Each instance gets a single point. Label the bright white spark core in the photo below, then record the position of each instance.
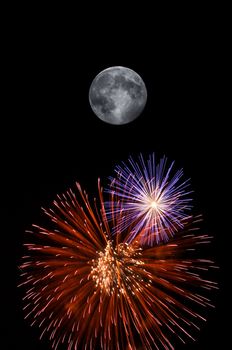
(154, 205)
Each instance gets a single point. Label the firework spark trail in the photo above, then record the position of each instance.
(150, 197)
(92, 290)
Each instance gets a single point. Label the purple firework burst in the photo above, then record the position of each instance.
(151, 198)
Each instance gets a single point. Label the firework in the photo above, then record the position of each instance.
(90, 289)
(151, 197)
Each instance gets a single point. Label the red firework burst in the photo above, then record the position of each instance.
(91, 289)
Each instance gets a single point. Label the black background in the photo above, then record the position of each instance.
(57, 139)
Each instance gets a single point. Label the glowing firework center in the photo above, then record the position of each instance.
(112, 271)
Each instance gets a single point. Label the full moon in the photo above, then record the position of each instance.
(117, 95)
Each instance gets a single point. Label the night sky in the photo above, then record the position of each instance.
(58, 139)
